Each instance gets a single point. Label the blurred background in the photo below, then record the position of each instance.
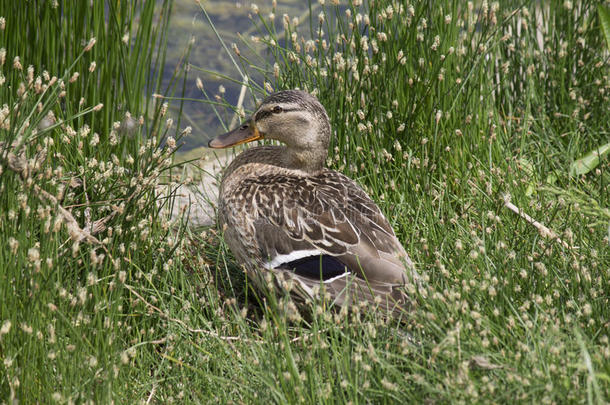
(232, 22)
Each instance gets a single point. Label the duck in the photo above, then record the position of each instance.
(288, 217)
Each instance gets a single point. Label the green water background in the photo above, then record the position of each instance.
(233, 21)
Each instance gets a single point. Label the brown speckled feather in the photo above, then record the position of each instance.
(281, 209)
(271, 211)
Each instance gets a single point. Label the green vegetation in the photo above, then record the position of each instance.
(80, 217)
(481, 129)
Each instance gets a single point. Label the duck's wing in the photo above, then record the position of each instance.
(322, 227)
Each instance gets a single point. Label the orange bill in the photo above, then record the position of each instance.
(247, 132)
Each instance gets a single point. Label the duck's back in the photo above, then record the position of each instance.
(318, 225)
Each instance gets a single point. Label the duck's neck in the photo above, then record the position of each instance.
(309, 152)
(307, 160)
(264, 160)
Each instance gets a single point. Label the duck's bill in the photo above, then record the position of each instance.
(245, 133)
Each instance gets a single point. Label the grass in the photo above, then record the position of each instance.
(444, 115)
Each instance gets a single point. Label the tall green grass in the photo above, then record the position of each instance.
(449, 116)
(128, 309)
(83, 152)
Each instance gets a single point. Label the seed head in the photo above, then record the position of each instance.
(6, 328)
(90, 44)
(235, 49)
(33, 255)
(17, 63)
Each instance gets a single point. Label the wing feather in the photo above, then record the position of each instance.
(327, 212)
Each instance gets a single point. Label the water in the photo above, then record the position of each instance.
(230, 20)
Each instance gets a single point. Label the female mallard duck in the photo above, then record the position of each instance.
(283, 211)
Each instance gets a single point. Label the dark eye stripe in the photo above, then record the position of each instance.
(265, 113)
(262, 114)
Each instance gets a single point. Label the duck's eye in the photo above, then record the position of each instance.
(243, 127)
(277, 109)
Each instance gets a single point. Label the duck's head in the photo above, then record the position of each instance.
(292, 117)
